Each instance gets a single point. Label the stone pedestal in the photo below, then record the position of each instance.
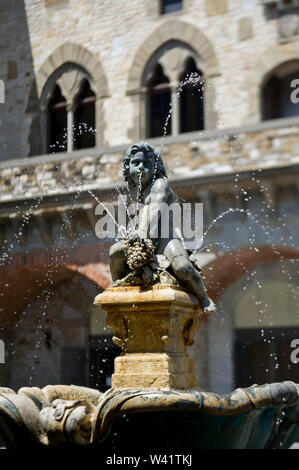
(153, 327)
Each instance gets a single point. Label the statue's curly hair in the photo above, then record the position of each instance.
(150, 152)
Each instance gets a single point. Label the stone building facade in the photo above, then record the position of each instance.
(242, 163)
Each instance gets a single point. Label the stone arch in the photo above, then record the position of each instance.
(47, 297)
(172, 56)
(69, 77)
(264, 66)
(225, 278)
(65, 58)
(226, 269)
(21, 280)
(77, 54)
(172, 30)
(168, 31)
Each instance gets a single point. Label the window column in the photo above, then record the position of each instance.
(70, 127)
(175, 114)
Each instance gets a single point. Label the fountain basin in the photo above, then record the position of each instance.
(154, 402)
(258, 417)
(184, 432)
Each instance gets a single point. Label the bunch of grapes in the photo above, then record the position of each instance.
(139, 252)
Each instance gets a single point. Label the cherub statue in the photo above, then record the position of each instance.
(145, 173)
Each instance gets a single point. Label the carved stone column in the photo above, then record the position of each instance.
(70, 127)
(153, 327)
(70, 82)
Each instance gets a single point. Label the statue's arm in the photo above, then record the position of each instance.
(153, 211)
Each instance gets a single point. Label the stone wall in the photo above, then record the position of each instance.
(17, 72)
(239, 33)
(186, 157)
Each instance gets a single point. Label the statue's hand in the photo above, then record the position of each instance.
(208, 305)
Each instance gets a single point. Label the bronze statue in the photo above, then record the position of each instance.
(145, 174)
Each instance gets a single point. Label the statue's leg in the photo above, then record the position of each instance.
(185, 272)
(118, 263)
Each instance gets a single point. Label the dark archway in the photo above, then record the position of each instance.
(85, 117)
(191, 98)
(57, 122)
(158, 103)
(250, 334)
(230, 267)
(53, 332)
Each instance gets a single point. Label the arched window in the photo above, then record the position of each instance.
(68, 105)
(84, 117)
(276, 92)
(173, 81)
(191, 98)
(74, 344)
(159, 102)
(57, 122)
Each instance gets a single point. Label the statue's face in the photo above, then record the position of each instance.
(141, 168)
